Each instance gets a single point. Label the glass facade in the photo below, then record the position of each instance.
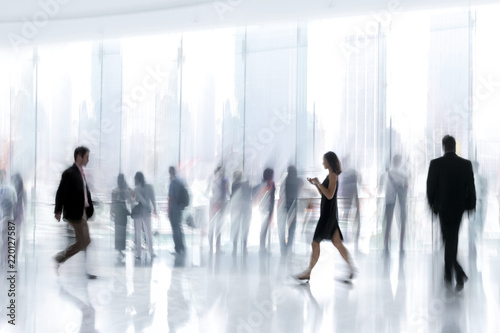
(259, 96)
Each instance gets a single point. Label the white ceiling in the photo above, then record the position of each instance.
(89, 19)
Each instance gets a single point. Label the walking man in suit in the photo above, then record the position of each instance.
(450, 192)
(74, 202)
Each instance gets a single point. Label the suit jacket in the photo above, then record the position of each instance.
(450, 185)
(70, 197)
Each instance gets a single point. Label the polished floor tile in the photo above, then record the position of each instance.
(254, 293)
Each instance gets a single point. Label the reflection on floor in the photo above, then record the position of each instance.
(222, 293)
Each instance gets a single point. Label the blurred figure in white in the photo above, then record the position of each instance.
(476, 219)
(219, 188)
(141, 213)
(18, 184)
(396, 188)
(348, 197)
(265, 199)
(241, 211)
(121, 198)
(8, 200)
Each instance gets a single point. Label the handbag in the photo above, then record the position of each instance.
(137, 211)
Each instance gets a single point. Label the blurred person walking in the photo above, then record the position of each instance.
(74, 203)
(328, 225)
(219, 187)
(8, 202)
(121, 197)
(178, 200)
(265, 198)
(348, 195)
(396, 188)
(476, 220)
(144, 195)
(286, 226)
(241, 211)
(451, 192)
(18, 184)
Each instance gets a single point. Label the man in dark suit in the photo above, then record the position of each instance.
(450, 192)
(74, 202)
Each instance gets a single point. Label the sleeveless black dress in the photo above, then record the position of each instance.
(329, 217)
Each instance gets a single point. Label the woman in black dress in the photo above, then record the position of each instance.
(328, 224)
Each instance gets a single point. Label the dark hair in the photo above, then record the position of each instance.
(268, 174)
(17, 181)
(333, 162)
(122, 183)
(139, 178)
(396, 160)
(292, 171)
(82, 150)
(171, 171)
(449, 143)
(237, 176)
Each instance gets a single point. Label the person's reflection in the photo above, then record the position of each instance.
(314, 317)
(477, 298)
(178, 311)
(143, 308)
(88, 311)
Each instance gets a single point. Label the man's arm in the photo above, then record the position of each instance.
(431, 183)
(471, 188)
(60, 194)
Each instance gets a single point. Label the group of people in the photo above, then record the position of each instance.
(143, 204)
(239, 202)
(450, 192)
(74, 204)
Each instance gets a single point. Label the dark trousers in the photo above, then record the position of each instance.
(389, 214)
(82, 239)
(450, 227)
(177, 234)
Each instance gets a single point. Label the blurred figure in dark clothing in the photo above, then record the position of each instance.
(175, 207)
(450, 192)
(287, 226)
(241, 211)
(476, 220)
(348, 196)
(18, 184)
(121, 197)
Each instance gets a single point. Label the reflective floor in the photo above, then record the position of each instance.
(224, 293)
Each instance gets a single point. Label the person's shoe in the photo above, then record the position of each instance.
(461, 282)
(91, 276)
(302, 278)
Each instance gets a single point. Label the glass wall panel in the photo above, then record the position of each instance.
(270, 97)
(150, 125)
(63, 100)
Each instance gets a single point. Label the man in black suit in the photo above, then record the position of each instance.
(450, 192)
(74, 201)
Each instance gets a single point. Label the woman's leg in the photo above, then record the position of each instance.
(337, 242)
(314, 260)
(138, 230)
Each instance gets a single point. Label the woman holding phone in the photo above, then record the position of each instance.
(328, 224)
